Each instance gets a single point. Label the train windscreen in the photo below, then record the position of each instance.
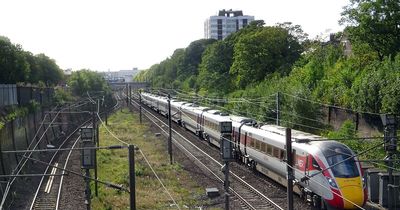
(338, 156)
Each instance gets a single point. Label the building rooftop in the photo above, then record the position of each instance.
(230, 13)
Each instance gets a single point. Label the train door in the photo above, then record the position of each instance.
(307, 169)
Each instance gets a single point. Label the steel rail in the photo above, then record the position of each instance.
(51, 160)
(10, 182)
(243, 182)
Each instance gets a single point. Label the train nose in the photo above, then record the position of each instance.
(352, 192)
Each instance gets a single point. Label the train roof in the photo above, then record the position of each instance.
(214, 111)
(178, 103)
(296, 134)
(216, 117)
(240, 119)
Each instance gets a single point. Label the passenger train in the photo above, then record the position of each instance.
(326, 173)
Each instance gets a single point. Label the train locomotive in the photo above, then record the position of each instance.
(327, 173)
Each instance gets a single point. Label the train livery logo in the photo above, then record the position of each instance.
(301, 163)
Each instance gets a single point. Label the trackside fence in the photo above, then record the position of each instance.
(12, 94)
(8, 94)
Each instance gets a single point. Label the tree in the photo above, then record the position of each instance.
(85, 80)
(263, 52)
(192, 58)
(51, 73)
(376, 23)
(17, 65)
(214, 68)
(295, 30)
(13, 65)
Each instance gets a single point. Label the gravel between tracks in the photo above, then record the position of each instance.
(73, 190)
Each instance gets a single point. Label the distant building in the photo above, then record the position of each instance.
(226, 22)
(121, 75)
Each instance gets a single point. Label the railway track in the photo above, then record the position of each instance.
(244, 195)
(48, 192)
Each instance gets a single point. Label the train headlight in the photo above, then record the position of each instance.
(332, 182)
(364, 181)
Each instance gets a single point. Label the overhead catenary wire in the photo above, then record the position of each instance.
(286, 121)
(263, 116)
(155, 174)
(273, 110)
(11, 181)
(158, 178)
(204, 153)
(293, 96)
(328, 105)
(315, 102)
(23, 162)
(109, 131)
(362, 138)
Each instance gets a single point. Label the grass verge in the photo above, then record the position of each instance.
(113, 167)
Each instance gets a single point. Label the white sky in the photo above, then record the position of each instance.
(122, 34)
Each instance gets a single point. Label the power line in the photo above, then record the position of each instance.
(109, 131)
(328, 105)
(158, 178)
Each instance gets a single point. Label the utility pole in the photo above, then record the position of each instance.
(290, 175)
(226, 184)
(106, 111)
(227, 156)
(390, 142)
(95, 126)
(88, 158)
(277, 108)
(170, 129)
(132, 184)
(87, 191)
(140, 106)
(130, 93)
(127, 95)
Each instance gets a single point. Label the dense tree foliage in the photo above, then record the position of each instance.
(259, 61)
(17, 65)
(84, 80)
(214, 69)
(262, 52)
(13, 64)
(375, 23)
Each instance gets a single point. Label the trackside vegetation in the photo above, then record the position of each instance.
(113, 167)
(20, 66)
(356, 69)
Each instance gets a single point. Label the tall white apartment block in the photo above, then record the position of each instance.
(226, 22)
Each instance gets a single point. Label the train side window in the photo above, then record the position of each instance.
(276, 152)
(269, 149)
(258, 146)
(251, 142)
(263, 148)
(315, 164)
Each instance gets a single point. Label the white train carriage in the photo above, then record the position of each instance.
(214, 126)
(147, 99)
(161, 105)
(191, 117)
(176, 111)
